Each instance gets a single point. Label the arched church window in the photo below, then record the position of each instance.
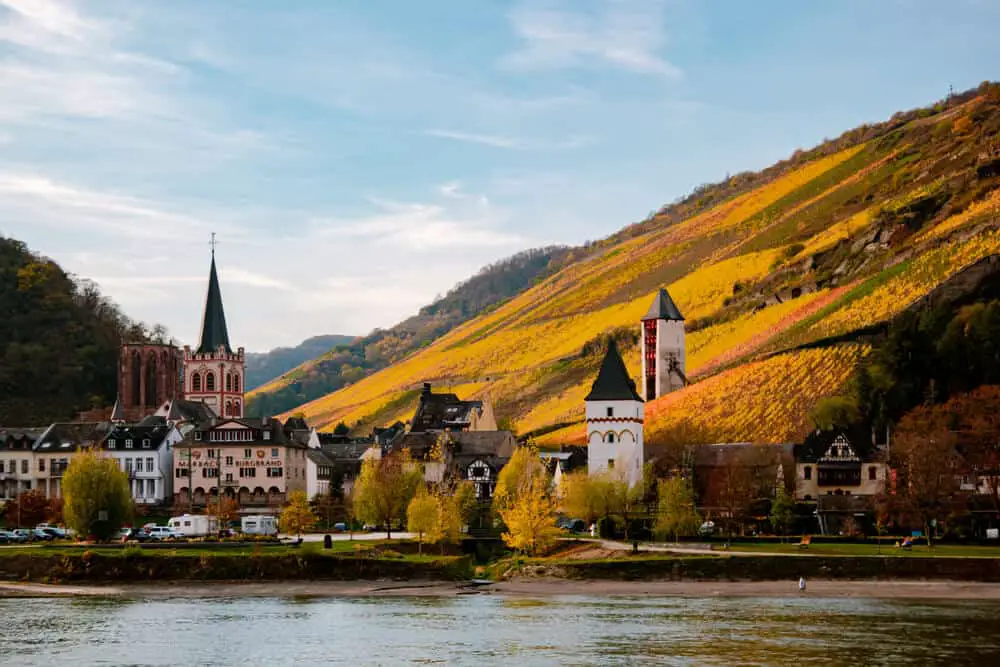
(196, 382)
(610, 437)
(236, 409)
(236, 381)
(229, 382)
(210, 381)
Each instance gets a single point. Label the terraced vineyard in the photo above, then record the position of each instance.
(775, 272)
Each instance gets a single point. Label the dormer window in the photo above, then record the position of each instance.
(145, 443)
(197, 435)
(267, 435)
(128, 444)
(111, 444)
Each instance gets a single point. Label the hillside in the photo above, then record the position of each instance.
(263, 367)
(783, 276)
(359, 358)
(59, 340)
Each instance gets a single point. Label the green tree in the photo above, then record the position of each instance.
(782, 512)
(384, 489)
(423, 517)
(296, 516)
(676, 514)
(96, 495)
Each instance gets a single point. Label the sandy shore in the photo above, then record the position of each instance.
(523, 587)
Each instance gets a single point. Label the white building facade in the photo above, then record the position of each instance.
(146, 455)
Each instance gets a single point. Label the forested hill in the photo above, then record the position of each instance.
(265, 366)
(785, 276)
(59, 340)
(350, 362)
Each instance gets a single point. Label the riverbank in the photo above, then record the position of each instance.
(520, 587)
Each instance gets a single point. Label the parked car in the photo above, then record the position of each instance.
(54, 530)
(51, 532)
(707, 529)
(340, 527)
(133, 535)
(24, 534)
(9, 537)
(162, 533)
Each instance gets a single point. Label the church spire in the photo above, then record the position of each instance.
(213, 328)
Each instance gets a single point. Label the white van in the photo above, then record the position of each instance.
(261, 524)
(194, 525)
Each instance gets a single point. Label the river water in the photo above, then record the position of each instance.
(487, 630)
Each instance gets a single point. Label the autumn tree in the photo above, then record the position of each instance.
(29, 508)
(384, 488)
(531, 520)
(675, 509)
(925, 452)
(227, 511)
(424, 516)
(296, 516)
(523, 501)
(96, 495)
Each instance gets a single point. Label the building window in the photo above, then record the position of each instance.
(128, 444)
(111, 444)
(149, 464)
(139, 488)
(610, 437)
(24, 466)
(248, 472)
(210, 381)
(274, 452)
(229, 476)
(196, 382)
(180, 472)
(611, 464)
(41, 465)
(209, 472)
(872, 473)
(807, 473)
(229, 460)
(611, 412)
(229, 384)
(275, 472)
(211, 453)
(128, 466)
(151, 488)
(197, 435)
(236, 384)
(267, 435)
(145, 443)
(247, 453)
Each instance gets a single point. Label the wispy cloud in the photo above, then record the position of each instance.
(509, 142)
(626, 34)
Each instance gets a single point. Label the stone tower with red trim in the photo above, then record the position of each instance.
(148, 377)
(213, 373)
(664, 357)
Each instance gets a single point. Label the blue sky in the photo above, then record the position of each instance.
(358, 157)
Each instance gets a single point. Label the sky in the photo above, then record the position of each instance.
(356, 158)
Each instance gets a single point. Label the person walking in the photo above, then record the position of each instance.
(802, 584)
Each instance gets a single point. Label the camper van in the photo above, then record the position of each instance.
(193, 525)
(261, 524)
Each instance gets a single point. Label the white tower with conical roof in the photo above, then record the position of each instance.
(614, 420)
(663, 350)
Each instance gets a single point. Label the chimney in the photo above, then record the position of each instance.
(427, 389)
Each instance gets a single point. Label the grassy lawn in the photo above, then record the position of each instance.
(340, 547)
(943, 551)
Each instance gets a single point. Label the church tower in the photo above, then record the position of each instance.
(663, 350)
(213, 373)
(614, 420)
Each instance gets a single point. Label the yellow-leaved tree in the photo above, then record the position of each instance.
(423, 517)
(296, 516)
(96, 495)
(384, 489)
(522, 499)
(675, 513)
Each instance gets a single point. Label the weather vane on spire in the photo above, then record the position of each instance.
(213, 243)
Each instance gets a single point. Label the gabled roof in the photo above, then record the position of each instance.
(613, 382)
(213, 327)
(663, 308)
(196, 412)
(155, 433)
(837, 446)
(70, 436)
(436, 412)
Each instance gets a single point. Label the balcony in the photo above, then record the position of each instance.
(57, 470)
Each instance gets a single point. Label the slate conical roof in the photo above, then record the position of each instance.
(213, 327)
(613, 382)
(663, 308)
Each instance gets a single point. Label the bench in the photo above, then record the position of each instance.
(806, 541)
